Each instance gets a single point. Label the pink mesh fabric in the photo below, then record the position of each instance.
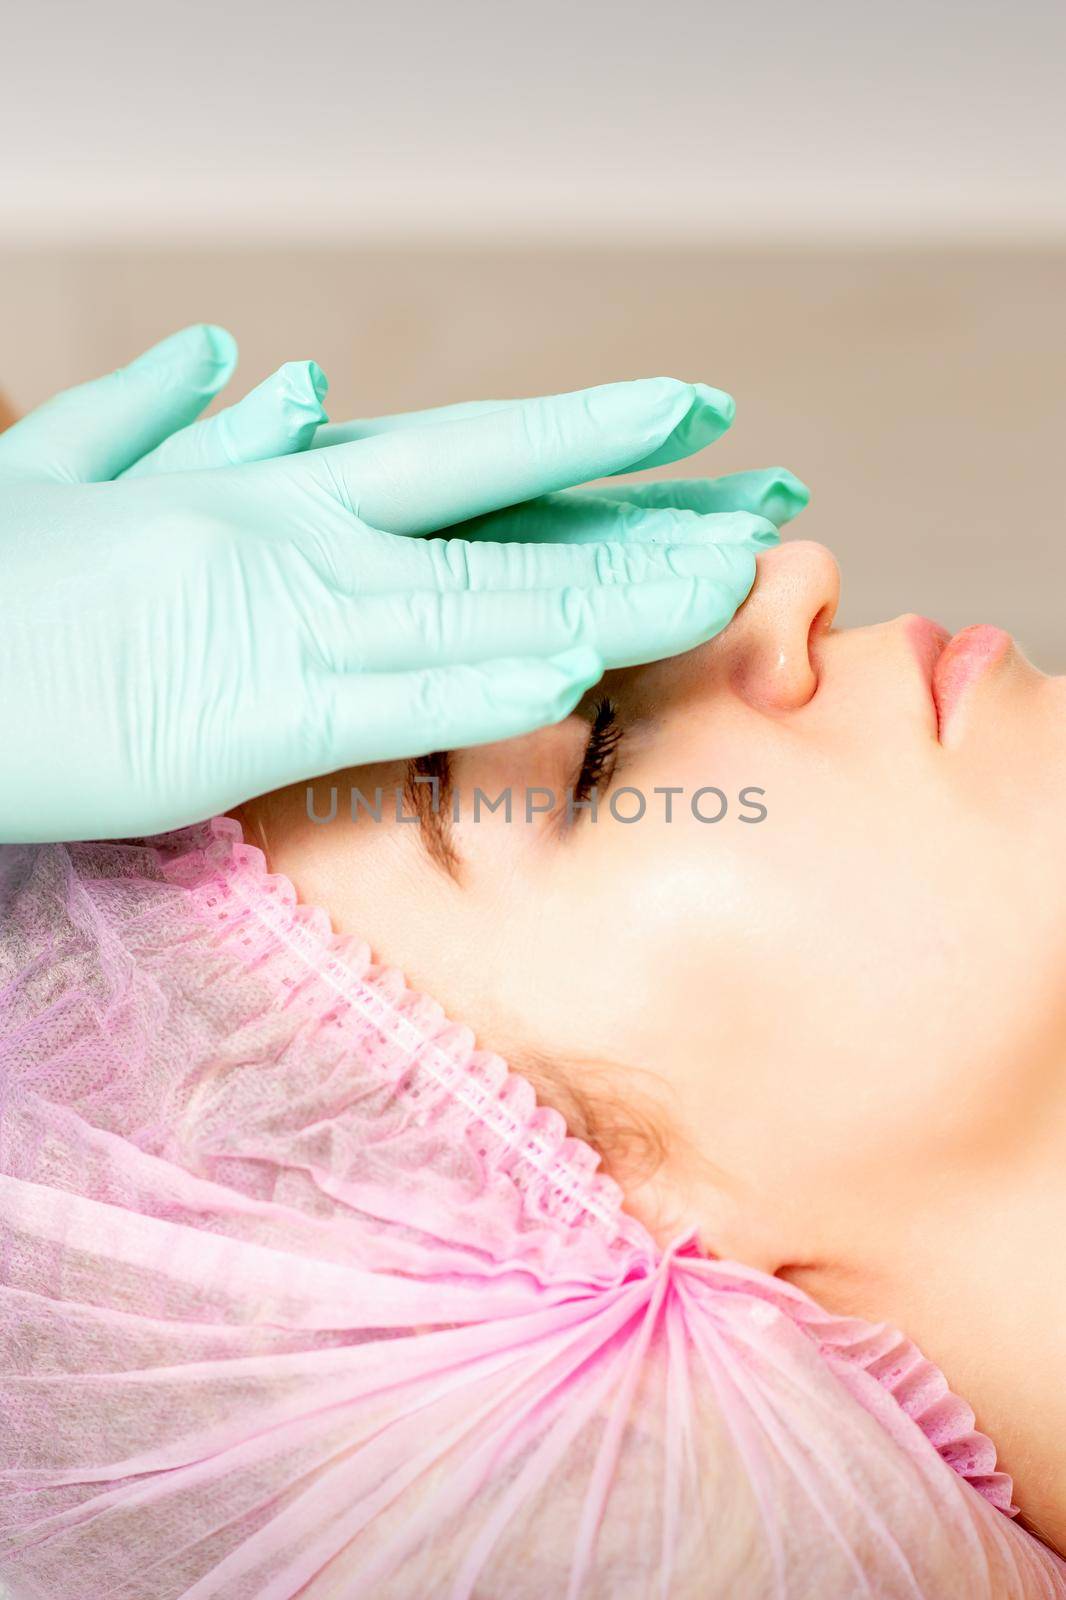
(302, 1295)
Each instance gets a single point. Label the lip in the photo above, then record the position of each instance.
(928, 640)
(962, 660)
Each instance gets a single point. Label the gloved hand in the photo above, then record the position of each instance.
(178, 640)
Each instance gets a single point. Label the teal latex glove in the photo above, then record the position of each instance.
(192, 634)
(141, 419)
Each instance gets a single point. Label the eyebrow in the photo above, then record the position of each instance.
(428, 779)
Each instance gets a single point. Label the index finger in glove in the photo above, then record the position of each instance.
(422, 479)
(278, 418)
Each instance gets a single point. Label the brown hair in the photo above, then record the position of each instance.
(597, 1101)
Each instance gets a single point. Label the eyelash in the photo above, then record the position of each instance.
(601, 752)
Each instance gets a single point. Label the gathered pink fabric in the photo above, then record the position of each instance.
(301, 1294)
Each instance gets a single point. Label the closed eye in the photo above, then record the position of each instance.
(601, 752)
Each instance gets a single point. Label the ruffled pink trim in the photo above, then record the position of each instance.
(921, 1390)
(917, 1385)
(257, 914)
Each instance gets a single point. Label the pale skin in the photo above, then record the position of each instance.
(850, 1016)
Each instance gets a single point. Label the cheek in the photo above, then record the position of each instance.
(832, 993)
(639, 918)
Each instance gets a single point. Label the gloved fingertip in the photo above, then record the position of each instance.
(580, 665)
(792, 485)
(695, 416)
(716, 403)
(303, 387)
(730, 562)
(740, 559)
(202, 349)
(220, 343)
(319, 381)
(716, 603)
(577, 670)
(695, 612)
(550, 687)
(710, 414)
(763, 534)
(785, 495)
(285, 410)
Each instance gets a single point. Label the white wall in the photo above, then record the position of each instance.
(675, 119)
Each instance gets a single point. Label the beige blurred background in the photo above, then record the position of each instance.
(855, 225)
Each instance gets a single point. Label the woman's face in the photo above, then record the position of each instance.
(856, 988)
(850, 1013)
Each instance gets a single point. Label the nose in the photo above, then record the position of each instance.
(767, 649)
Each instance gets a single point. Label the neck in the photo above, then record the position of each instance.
(969, 1271)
